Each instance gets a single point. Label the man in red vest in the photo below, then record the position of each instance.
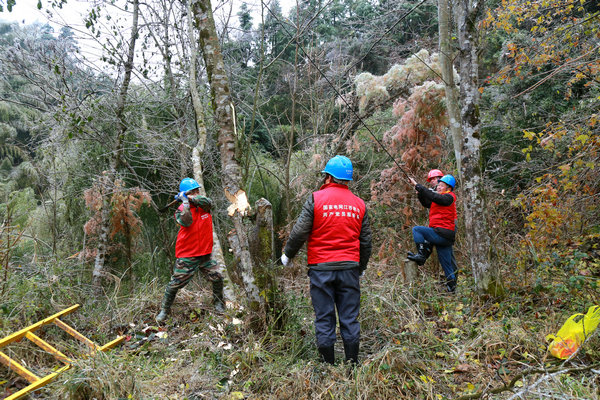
(433, 178)
(441, 230)
(336, 226)
(193, 248)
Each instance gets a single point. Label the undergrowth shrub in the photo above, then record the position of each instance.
(416, 342)
(104, 376)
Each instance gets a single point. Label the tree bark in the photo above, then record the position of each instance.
(109, 177)
(410, 272)
(262, 246)
(468, 13)
(198, 150)
(447, 67)
(231, 177)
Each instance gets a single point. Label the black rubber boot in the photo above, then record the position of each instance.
(423, 253)
(166, 304)
(451, 285)
(218, 299)
(351, 350)
(327, 354)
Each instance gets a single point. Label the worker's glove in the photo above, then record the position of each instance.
(181, 196)
(285, 260)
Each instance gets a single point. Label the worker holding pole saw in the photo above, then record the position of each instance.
(433, 178)
(193, 247)
(442, 227)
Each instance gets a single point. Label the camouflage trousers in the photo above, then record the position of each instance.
(186, 267)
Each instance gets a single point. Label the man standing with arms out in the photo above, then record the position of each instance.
(335, 223)
(193, 248)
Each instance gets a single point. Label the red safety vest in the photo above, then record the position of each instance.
(337, 222)
(443, 216)
(197, 239)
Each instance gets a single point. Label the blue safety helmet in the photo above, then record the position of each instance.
(188, 184)
(339, 167)
(449, 180)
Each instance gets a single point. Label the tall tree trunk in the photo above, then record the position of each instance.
(447, 67)
(230, 170)
(198, 151)
(478, 240)
(109, 177)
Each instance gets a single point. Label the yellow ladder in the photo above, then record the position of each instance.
(36, 382)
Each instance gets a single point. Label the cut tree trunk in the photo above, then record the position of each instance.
(410, 272)
(198, 151)
(262, 250)
(231, 176)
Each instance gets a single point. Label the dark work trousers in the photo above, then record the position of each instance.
(443, 247)
(331, 290)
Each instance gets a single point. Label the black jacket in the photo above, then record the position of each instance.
(303, 227)
(427, 196)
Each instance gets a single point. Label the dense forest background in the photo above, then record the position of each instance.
(95, 138)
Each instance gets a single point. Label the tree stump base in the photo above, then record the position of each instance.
(410, 272)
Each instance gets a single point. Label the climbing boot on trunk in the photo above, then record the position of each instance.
(166, 305)
(218, 299)
(423, 253)
(351, 351)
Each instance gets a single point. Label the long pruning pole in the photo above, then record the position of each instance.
(165, 208)
(337, 91)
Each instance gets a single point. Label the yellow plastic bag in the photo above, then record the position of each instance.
(573, 333)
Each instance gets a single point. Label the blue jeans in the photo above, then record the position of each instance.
(330, 290)
(422, 234)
